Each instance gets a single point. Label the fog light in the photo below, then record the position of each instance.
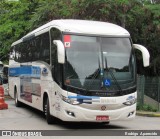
(131, 113)
(70, 113)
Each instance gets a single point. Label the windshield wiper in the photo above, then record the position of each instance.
(69, 77)
(113, 77)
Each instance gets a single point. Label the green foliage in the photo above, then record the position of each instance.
(14, 23)
(52, 9)
(146, 107)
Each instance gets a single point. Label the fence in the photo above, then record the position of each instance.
(148, 91)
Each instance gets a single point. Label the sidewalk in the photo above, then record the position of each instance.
(148, 114)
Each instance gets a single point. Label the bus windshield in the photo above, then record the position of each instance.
(99, 63)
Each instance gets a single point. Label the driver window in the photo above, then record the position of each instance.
(57, 68)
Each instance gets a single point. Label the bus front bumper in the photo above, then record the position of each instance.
(75, 113)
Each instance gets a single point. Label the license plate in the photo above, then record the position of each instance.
(102, 118)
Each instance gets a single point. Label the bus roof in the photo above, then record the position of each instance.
(82, 27)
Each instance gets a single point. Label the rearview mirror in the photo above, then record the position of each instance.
(60, 51)
(145, 54)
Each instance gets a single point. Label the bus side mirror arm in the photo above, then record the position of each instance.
(145, 54)
(60, 51)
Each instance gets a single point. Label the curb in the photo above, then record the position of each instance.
(148, 114)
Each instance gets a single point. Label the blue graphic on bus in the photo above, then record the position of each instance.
(32, 71)
(107, 82)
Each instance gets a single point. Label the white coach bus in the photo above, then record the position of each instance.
(76, 70)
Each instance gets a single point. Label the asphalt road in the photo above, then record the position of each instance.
(27, 118)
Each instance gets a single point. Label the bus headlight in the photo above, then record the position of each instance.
(70, 101)
(130, 101)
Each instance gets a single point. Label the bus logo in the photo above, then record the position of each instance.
(44, 71)
(103, 108)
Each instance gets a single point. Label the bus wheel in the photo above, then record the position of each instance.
(17, 103)
(49, 118)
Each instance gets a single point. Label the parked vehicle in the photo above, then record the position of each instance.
(76, 70)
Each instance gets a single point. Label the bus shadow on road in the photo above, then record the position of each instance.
(88, 125)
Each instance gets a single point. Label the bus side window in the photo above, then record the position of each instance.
(37, 43)
(57, 70)
(45, 47)
(17, 53)
(23, 53)
(12, 53)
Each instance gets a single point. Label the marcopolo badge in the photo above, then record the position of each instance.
(44, 71)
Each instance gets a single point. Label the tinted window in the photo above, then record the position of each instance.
(57, 71)
(37, 48)
(45, 48)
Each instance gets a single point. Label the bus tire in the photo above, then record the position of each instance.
(49, 118)
(17, 102)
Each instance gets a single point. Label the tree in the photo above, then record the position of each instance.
(53, 9)
(14, 22)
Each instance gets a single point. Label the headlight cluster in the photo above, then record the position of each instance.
(130, 101)
(70, 101)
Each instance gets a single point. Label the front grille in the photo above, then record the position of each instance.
(98, 106)
(101, 93)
